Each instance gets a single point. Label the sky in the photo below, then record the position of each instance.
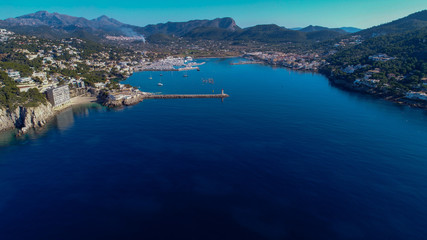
(286, 13)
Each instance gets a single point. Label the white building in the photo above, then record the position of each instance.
(99, 85)
(25, 80)
(367, 82)
(417, 95)
(14, 74)
(58, 96)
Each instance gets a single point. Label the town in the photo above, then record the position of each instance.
(66, 69)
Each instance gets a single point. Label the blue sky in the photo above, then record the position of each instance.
(287, 13)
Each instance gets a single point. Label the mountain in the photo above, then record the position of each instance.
(414, 21)
(56, 25)
(182, 28)
(351, 29)
(210, 33)
(323, 35)
(312, 28)
(268, 33)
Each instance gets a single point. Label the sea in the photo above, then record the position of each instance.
(286, 156)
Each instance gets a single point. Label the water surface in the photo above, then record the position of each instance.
(286, 156)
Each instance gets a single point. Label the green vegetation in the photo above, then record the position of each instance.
(269, 33)
(404, 72)
(25, 70)
(11, 97)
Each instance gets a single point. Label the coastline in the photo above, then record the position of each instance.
(344, 85)
(37, 117)
(25, 118)
(400, 100)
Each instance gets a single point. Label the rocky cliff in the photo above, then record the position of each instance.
(123, 102)
(25, 118)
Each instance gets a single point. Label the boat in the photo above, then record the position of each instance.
(150, 77)
(161, 74)
(160, 84)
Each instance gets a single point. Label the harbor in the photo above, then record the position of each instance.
(172, 64)
(246, 62)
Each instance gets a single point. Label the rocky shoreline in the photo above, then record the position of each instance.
(345, 85)
(26, 118)
(348, 86)
(108, 102)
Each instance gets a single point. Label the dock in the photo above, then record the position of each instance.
(246, 62)
(176, 96)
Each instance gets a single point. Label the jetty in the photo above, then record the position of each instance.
(172, 96)
(131, 97)
(246, 62)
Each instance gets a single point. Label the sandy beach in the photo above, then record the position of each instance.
(82, 100)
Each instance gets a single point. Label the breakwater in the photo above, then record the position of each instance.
(172, 96)
(109, 101)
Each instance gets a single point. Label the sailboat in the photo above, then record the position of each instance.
(150, 77)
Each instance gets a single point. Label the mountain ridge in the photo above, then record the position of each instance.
(56, 25)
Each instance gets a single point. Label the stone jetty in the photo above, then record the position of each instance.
(171, 96)
(127, 98)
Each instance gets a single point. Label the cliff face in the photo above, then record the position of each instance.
(23, 118)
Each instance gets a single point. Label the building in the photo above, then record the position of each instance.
(25, 88)
(99, 85)
(77, 83)
(41, 75)
(58, 96)
(25, 80)
(13, 74)
(417, 95)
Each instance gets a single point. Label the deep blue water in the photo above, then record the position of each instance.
(286, 156)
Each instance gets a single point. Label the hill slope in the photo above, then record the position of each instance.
(182, 28)
(412, 22)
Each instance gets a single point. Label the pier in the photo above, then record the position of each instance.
(246, 62)
(175, 96)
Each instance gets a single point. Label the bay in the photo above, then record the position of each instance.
(286, 156)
